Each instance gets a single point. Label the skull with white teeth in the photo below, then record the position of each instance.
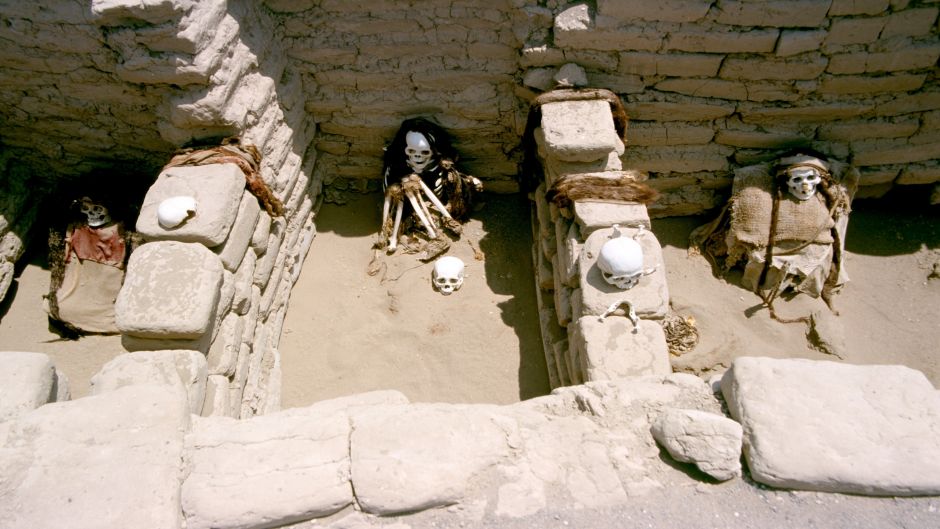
(97, 214)
(621, 262)
(803, 173)
(448, 274)
(418, 151)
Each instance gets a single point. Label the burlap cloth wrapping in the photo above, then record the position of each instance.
(805, 235)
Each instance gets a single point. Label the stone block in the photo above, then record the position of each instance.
(223, 353)
(579, 131)
(291, 466)
(809, 67)
(555, 169)
(565, 260)
(217, 401)
(241, 298)
(779, 13)
(666, 111)
(668, 133)
(650, 297)
(593, 215)
(908, 104)
(754, 139)
(723, 41)
(562, 304)
(857, 7)
(919, 174)
(815, 113)
(910, 23)
(27, 381)
(217, 188)
(120, 12)
(860, 130)
(546, 271)
(415, 457)
(183, 369)
(870, 176)
(881, 152)
(232, 251)
(664, 11)
(613, 348)
(711, 441)
(796, 41)
(720, 88)
(912, 57)
(846, 31)
(679, 159)
(98, 461)
(815, 425)
(170, 291)
(259, 238)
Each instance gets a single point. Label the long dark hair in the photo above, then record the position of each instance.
(395, 164)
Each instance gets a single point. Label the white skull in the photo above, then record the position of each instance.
(448, 274)
(621, 262)
(96, 213)
(802, 181)
(418, 151)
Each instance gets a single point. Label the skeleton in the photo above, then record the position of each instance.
(97, 214)
(621, 260)
(418, 158)
(448, 274)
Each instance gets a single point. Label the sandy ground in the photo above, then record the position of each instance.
(348, 332)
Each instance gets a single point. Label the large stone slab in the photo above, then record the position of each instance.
(580, 131)
(105, 461)
(835, 427)
(650, 297)
(217, 188)
(177, 368)
(409, 458)
(27, 381)
(592, 215)
(267, 471)
(170, 291)
(613, 348)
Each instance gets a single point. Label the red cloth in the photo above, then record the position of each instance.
(103, 245)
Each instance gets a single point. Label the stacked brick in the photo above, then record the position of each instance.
(367, 66)
(219, 283)
(586, 331)
(714, 84)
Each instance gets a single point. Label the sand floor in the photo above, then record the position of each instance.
(348, 332)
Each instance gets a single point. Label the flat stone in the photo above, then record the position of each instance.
(98, 461)
(217, 188)
(712, 442)
(592, 215)
(267, 471)
(178, 368)
(27, 381)
(612, 348)
(580, 131)
(650, 297)
(170, 291)
(410, 458)
(831, 427)
(223, 353)
(232, 251)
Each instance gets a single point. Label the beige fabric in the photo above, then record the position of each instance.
(86, 298)
(797, 220)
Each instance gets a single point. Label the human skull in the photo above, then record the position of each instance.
(621, 262)
(418, 151)
(802, 181)
(97, 214)
(448, 274)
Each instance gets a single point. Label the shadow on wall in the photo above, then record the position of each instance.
(507, 247)
(901, 222)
